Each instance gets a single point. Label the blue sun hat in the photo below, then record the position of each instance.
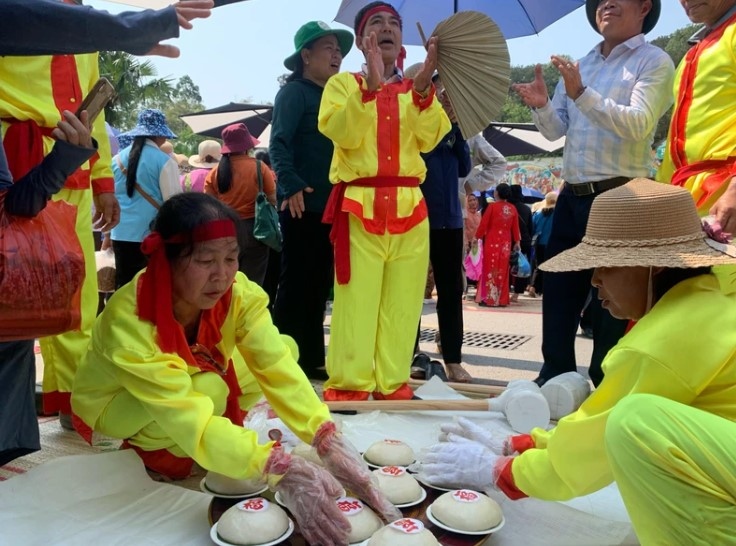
(151, 123)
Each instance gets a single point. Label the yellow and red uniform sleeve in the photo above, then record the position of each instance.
(658, 356)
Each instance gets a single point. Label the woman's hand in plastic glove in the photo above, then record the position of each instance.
(309, 492)
(462, 428)
(463, 463)
(345, 463)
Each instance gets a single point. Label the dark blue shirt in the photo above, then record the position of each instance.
(446, 164)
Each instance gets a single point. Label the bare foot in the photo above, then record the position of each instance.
(457, 374)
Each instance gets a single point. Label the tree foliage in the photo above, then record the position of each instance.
(514, 110)
(138, 86)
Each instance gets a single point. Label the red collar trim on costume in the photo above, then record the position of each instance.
(373, 11)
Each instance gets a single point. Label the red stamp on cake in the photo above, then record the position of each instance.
(465, 495)
(349, 506)
(409, 526)
(256, 504)
(393, 442)
(392, 471)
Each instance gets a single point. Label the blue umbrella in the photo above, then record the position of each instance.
(532, 193)
(515, 18)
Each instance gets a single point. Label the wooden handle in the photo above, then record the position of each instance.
(421, 34)
(410, 405)
(488, 390)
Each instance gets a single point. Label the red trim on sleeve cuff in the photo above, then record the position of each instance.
(423, 103)
(103, 185)
(521, 442)
(505, 482)
(366, 96)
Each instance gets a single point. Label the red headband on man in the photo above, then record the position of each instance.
(368, 14)
(378, 9)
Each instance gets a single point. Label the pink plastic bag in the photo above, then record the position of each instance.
(474, 261)
(41, 272)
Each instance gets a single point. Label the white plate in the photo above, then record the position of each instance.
(432, 486)
(414, 503)
(279, 499)
(438, 523)
(220, 542)
(203, 487)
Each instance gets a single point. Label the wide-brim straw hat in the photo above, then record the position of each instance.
(643, 224)
(208, 149)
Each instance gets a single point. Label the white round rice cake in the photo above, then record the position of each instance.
(397, 484)
(467, 510)
(403, 532)
(253, 521)
(390, 452)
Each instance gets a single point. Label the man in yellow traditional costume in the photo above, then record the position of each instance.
(35, 91)
(379, 123)
(700, 153)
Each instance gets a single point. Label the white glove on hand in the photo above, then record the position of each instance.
(463, 464)
(464, 428)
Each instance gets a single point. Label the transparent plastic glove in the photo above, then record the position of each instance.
(345, 463)
(462, 428)
(464, 464)
(309, 492)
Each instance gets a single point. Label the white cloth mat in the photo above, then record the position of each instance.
(110, 499)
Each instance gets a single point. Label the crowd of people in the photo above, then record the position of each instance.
(208, 316)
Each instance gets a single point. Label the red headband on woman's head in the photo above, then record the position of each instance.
(154, 295)
(368, 14)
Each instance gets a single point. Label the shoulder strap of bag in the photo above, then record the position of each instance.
(260, 176)
(137, 186)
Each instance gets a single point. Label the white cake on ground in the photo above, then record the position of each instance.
(404, 532)
(363, 521)
(397, 484)
(467, 510)
(390, 452)
(253, 521)
(219, 483)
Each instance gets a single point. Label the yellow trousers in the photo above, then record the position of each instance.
(375, 315)
(62, 353)
(676, 470)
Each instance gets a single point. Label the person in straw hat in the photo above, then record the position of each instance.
(609, 127)
(209, 153)
(662, 423)
(379, 122)
(145, 176)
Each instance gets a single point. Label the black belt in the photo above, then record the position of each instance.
(591, 188)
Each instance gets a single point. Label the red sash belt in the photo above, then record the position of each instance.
(724, 169)
(24, 149)
(340, 220)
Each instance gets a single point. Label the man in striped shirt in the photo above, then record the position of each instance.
(607, 104)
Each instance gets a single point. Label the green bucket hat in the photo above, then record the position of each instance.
(649, 21)
(314, 30)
